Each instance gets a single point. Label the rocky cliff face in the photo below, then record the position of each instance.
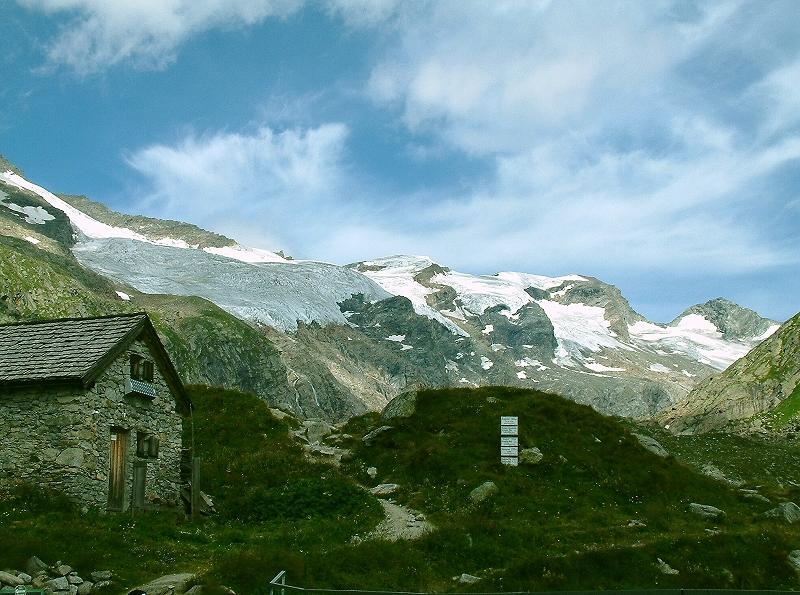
(761, 390)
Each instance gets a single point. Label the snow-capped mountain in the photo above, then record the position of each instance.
(365, 332)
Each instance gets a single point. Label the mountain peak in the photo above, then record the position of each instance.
(733, 321)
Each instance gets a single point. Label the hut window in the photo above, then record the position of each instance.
(147, 445)
(141, 369)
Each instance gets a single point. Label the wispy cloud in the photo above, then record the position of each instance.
(146, 33)
(267, 188)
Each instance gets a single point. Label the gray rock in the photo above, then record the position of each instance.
(74, 579)
(315, 430)
(706, 511)
(85, 588)
(196, 590)
(713, 472)
(468, 579)
(483, 491)
(168, 584)
(372, 472)
(754, 495)
(101, 585)
(10, 580)
(665, 568)
(35, 565)
(58, 584)
(370, 437)
(278, 414)
(63, 569)
(403, 405)
(794, 560)
(73, 590)
(25, 578)
(530, 456)
(651, 444)
(70, 457)
(101, 575)
(384, 489)
(787, 511)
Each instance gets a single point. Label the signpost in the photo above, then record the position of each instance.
(509, 440)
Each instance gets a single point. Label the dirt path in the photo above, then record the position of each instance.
(400, 523)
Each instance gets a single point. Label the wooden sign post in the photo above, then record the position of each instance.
(509, 440)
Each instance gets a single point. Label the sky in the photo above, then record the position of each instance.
(654, 145)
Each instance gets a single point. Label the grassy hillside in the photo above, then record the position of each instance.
(562, 524)
(273, 505)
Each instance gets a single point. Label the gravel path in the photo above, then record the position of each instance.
(400, 523)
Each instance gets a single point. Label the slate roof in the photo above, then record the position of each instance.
(61, 350)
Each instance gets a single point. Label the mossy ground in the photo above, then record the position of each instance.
(562, 524)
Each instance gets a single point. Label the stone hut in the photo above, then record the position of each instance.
(92, 407)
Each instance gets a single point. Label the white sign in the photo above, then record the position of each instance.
(509, 420)
(509, 441)
(509, 461)
(508, 451)
(509, 430)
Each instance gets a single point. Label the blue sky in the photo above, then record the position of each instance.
(655, 145)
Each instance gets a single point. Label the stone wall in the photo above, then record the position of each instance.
(61, 437)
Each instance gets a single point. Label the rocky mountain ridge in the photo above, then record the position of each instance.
(343, 340)
(760, 391)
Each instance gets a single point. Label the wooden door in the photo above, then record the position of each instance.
(116, 472)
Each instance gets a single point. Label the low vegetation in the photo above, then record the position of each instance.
(596, 512)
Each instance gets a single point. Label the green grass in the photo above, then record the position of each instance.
(562, 524)
(787, 410)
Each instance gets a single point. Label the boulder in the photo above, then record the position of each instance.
(101, 585)
(665, 568)
(651, 444)
(101, 575)
(468, 579)
(9, 579)
(85, 588)
(482, 492)
(370, 437)
(713, 472)
(403, 405)
(278, 414)
(787, 511)
(315, 430)
(167, 584)
(706, 511)
(63, 569)
(384, 489)
(753, 495)
(58, 584)
(35, 565)
(25, 578)
(530, 456)
(74, 579)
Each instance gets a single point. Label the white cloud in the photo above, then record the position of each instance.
(496, 76)
(609, 147)
(267, 188)
(103, 33)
